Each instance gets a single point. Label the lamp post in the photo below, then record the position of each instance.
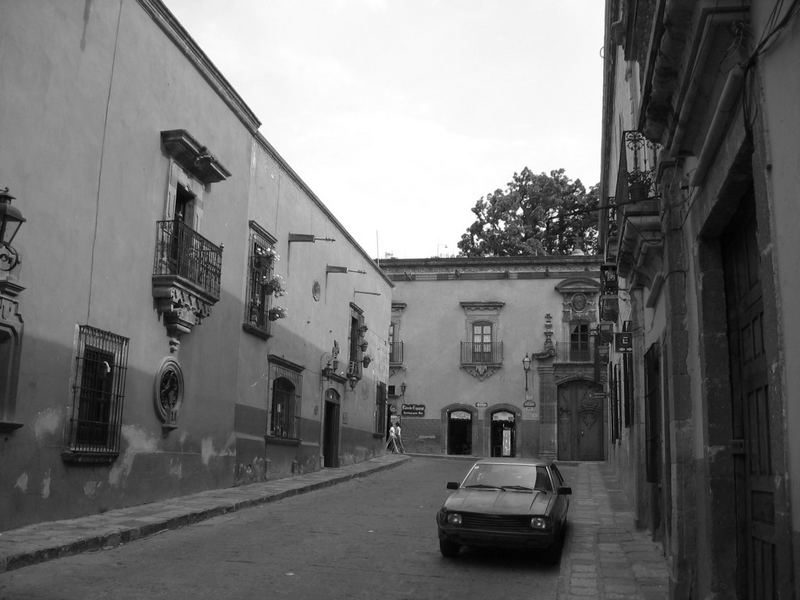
(526, 364)
(11, 220)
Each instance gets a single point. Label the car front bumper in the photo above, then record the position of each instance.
(533, 539)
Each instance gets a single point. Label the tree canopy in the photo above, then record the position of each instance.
(534, 215)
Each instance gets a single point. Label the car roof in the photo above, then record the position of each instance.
(533, 462)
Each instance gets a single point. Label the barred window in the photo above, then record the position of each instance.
(98, 390)
(261, 260)
(283, 409)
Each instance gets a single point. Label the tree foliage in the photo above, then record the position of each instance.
(534, 215)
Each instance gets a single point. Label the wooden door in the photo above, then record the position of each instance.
(330, 432)
(751, 436)
(580, 421)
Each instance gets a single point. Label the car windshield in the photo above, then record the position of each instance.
(510, 477)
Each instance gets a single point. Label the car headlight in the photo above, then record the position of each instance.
(540, 523)
(453, 519)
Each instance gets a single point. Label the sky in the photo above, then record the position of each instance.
(401, 114)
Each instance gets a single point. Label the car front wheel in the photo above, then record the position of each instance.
(448, 549)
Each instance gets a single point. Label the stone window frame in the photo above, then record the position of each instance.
(281, 368)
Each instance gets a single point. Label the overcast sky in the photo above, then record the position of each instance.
(401, 114)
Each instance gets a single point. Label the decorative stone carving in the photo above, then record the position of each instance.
(169, 389)
(481, 372)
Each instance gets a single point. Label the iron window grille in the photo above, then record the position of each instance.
(260, 266)
(282, 418)
(98, 391)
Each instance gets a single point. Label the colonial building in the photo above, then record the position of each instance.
(496, 356)
(179, 311)
(699, 181)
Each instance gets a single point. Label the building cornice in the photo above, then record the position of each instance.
(181, 38)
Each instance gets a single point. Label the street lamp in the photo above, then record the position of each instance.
(526, 364)
(403, 389)
(11, 220)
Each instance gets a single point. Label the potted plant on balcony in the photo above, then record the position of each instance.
(264, 256)
(277, 312)
(640, 181)
(275, 285)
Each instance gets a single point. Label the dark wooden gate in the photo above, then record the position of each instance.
(753, 465)
(580, 421)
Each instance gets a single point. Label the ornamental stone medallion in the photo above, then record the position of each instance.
(169, 389)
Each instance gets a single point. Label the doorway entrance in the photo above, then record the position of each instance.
(503, 433)
(758, 548)
(330, 429)
(459, 432)
(580, 421)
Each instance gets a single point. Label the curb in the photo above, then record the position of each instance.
(46, 541)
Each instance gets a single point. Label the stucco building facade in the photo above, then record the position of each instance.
(179, 310)
(495, 356)
(700, 106)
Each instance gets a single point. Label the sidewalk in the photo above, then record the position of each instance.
(54, 539)
(605, 557)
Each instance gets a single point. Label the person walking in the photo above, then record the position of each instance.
(399, 438)
(391, 444)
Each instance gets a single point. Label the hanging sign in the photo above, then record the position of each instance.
(623, 341)
(412, 410)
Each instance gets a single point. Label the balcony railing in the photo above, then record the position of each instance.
(183, 252)
(479, 353)
(396, 353)
(582, 351)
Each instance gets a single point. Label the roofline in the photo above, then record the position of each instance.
(168, 23)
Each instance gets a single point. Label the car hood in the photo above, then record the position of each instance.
(498, 502)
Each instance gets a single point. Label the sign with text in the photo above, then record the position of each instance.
(623, 342)
(412, 410)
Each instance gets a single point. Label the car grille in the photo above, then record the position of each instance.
(505, 522)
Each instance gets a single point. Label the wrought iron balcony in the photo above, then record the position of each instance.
(182, 252)
(186, 277)
(575, 352)
(481, 353)
(396, 353)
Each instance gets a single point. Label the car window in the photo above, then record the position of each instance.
(519, 476)
(559, 477)
(543, 483)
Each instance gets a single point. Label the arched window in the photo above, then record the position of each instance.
(282, 413)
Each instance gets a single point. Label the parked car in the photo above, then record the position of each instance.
(517, 503)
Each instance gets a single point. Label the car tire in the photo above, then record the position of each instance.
(449, 549)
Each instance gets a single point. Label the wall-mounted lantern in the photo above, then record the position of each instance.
(11, 220)
(526, 365)
(403, 389)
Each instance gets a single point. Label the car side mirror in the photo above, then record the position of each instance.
(565, 490)
(452, 485)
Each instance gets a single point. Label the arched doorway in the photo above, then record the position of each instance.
(503, 434)
(459, 432)
(330, 429)
(580, 421)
